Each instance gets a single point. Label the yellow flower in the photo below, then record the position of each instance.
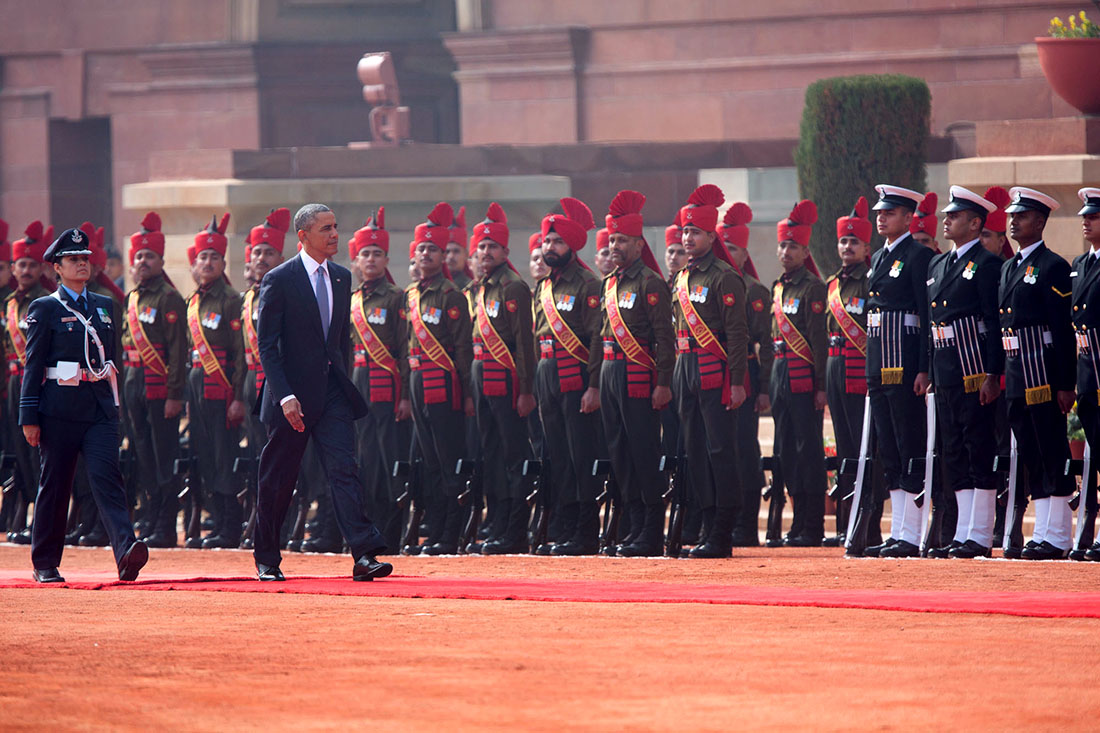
(1084, 17)
(1072, 23)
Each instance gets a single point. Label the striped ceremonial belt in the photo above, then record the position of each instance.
(965, 335)
(890, 327)
(1026, 344)
(1088, 345)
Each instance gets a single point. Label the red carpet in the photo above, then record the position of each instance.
(1011, 603)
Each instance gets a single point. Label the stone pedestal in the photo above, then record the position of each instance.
(186, 206)
(1056, 156)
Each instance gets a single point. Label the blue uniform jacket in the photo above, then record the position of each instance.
(53, 335)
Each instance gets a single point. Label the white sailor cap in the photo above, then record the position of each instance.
(963, 199)
(1028, 199)
(893, 197)
(1090, 197)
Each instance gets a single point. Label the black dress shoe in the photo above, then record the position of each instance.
(369, 568)
(971, 549)
(574, 549)
(609, 551)
(473, 548)
(439, 548)
(1043, 551)
(546, 549)
(1013, 553)
(20, 538)
(802, 541)
(161, 540)
(219, 542)
(942, 553)
(774, 543)
(1077, 555)
(193, 543)
(322, 544)
(73, 538)
(901, 548)
(834, 541)
(47, 575)
(1093, 553)
(294, 546)
(639, 550)
(876, 550)
(247, 543)
(710, 551)
(745, 539)
(268, 573)
(95, 538)
(498, 547)
(133, 561)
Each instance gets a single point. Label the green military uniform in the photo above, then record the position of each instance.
(797, 375)
(209, 393)
(759, 360)
(437, 400)
(377, 434)
(631, 426)
(162, 315)
(571, 438)
(7, 503)
(503, 434)
(715, 295)
(26, 469)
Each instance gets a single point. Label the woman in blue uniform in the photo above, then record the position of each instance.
(69, 406)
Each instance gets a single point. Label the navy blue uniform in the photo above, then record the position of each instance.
(81, 418)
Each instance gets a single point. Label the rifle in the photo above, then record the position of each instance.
(927, 465)
(1014, 516)
(410, 496)
(184, 467)
(539, 499)
(855, 539)
(610, 530)
(471, 469)
(777, 497)
(832, 463)
(298, 531)
(673, 466)
(1084, 501)
(246, 468)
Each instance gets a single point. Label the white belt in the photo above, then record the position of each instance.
(874, 320)
(1012, 343)
(69, 378)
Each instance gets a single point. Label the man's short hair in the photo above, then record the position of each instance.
(307, 214)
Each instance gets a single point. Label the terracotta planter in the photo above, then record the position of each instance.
(1077, 449)
(1070, 66)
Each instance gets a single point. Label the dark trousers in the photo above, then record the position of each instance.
(214, 444)
(709, 433)
(571, 437)
(377, 443)
(25, 478)
(439, 431)
(749, 473)
(62, 440)
(156, 447)
(1042, 446)
(633, 432)
(799, 443)
(898, 416)
(504, 440)
(333, 432)
(846, 411)
(966, 447)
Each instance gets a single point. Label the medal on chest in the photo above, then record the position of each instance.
(432, 315)
(1031, 275)
(148, 314)
(566, 302)
(895, 269)
(698, 294)
(492, 308)
(790, 305)
(377, 316)
(212, 321)
(626, 300)
(854, 305)
(971, 268)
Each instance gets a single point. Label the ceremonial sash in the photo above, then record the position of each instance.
(377, 350)
(562, 332)
(209, 360)
(853, 332)
(794, 340)
(150, 359)
(17, 338)
(252, 339)
(431, 346)
(630, 346)
(703, 336)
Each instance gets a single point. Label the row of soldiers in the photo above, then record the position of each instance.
(598, 389)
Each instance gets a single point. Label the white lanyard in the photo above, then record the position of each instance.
(107, 371)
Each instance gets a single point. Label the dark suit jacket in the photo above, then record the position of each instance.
(1086, 317)
(952, 296)
(296, 358)
(53, 335)
(1046, 302)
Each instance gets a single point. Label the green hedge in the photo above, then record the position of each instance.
(858, 131)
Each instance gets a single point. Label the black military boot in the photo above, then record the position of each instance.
(513, 539)
(717, 544)
(649, 540)
(228, 535)
(586, 535)
(634, 519)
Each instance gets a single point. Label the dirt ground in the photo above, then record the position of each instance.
(83, 660)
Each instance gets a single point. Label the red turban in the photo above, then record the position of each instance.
(702, 208)
(798, 225)
(735, 231)
(213, 237)
(98, 257)
(997, 220)
(925, 220)
(494, 227)
(150, 237)
(33, 244)
(534, 241)
(273, 231)
(602, 237)
(855, 224)
(437, 229)
(624, 216)
(573, 225)
(373, 234)
(674, 233)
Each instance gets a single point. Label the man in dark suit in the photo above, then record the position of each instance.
(68, 407)
(305, 318)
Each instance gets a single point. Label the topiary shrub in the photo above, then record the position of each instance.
(858, 131)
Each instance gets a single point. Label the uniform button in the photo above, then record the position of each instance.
(1002, 311)
(1009, 310)
(1075, 308)
(944, 303)
(933, 304)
